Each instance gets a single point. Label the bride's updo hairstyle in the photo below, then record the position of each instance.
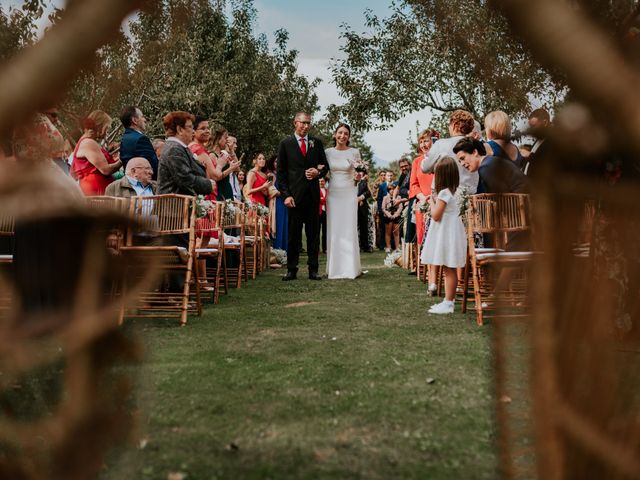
(340, 125)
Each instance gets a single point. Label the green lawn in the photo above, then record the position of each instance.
(311, 380)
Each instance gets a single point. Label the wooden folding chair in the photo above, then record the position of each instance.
(153, 240)
(7, 228)
(232, 224)
(501, 216)
(208, 276)
(253, 240)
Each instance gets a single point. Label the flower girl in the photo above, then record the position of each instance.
(446, 242)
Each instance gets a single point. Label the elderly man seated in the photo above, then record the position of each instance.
(136, 182)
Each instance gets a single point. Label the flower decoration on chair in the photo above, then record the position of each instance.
(203, 206)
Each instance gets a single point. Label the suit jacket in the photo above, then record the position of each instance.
(122, 188)
(403, 181)
(501, 175)
(137, 144)
(179, 172)
(291, 167)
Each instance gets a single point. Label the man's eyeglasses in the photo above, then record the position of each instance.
(304, 123)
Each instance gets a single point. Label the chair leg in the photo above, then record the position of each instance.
(465, 289)
(197, 277)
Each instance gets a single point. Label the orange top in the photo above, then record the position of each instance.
(419, 182)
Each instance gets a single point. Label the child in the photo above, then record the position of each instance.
(392, 211)
(446, 242)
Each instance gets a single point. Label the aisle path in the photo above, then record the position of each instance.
(330, 379)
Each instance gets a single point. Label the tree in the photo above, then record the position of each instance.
(191, 55)
(18, 27)
(440, 55)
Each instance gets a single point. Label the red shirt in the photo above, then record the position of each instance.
(323, 201)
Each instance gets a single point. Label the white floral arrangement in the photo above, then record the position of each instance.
(261, 210)
(463, 196)
(203, 206)
(280, 255)
(392, 258)
(358, 165)
(229, 211)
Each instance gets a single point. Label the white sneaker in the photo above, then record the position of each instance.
(443, 308)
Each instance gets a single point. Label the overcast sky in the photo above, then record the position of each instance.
(314, 30)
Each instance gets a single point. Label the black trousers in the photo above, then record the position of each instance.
(323, 231)
(410, 232)
(304, 214)
(363, 227)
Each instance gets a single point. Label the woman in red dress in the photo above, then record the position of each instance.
(92, 164)
(257, 183)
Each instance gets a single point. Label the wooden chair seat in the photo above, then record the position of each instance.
(6, 258)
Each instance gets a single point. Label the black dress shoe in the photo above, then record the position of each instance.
(289, 276)
(314, 276)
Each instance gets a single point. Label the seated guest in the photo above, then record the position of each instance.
(134, 142)
(497, 174)
(92, 164)
(136, 182)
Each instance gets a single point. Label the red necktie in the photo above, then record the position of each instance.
(303, 147)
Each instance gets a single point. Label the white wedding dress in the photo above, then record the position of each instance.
(343, 250)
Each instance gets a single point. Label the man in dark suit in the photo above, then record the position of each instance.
(134, 142)
(301, 162)
(364, 194)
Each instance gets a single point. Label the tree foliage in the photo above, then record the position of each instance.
(440, 55)
(18, 27)
(446, 55)
(201, 56)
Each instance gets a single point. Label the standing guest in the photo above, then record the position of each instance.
(446, 243)
(539, 123)
(364, 194)
(257, 182)
(323, 215)
(498, 127)
(280, 214)
(301, 160)
(232, 146)
(134, 142)
(403, 191)
(392, 210)
(92, 164)
(224, 161)
(158, 145)
(460, 125)
(419, 190)
(242, 179)
(60, 156)
(137, 181)
(180, 172)
(382, 192)
(199, 145)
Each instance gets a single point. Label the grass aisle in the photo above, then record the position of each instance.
(309, 380)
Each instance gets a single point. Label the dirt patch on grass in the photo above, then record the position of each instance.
(300, 304)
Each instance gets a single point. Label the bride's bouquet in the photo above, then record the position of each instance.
(359, 166)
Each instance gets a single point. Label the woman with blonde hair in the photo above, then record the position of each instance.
(92, 164)
(498, 127)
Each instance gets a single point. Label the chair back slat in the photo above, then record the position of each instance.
(160, 215)
(7, 224)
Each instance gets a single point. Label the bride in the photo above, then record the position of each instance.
(343, 250)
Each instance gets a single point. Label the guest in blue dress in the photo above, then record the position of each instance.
(280, 241)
